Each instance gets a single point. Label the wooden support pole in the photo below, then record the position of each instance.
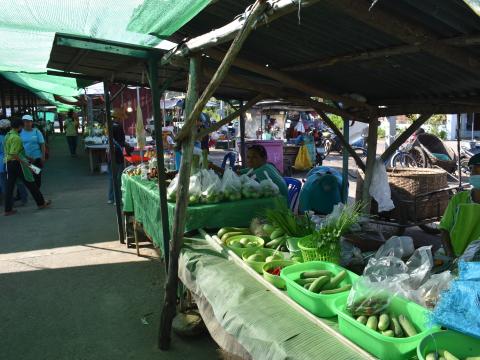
(371, 158)
(243, 148)
(169, 306)
(225, 65)
(404, 136)
(3, 101)
(459, 140)
(346, 136)
(113, 164)
(12, 100)
(158, 123)
(229, 118)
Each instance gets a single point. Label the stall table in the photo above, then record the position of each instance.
(250, 318)
(141, 198)
(96, 155)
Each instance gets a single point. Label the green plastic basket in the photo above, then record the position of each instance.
(320, 305)
(258, 265)
(240, 250)
(385, 347)
(277, 281)
(460, 345)
(311, 253)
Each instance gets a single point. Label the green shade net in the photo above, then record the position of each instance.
(58, 85)
(164, 18)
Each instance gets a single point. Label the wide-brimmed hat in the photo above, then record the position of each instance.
(4, 124)
(27, 118)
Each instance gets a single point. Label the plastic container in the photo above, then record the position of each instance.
(381, 346)
(274, 150)
(311, 253)
(320, 305)
(277, 281)
(460, 345)
(258, 265)
(240, 250)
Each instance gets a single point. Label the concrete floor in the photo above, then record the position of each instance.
(68, 288)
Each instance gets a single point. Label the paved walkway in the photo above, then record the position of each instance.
(68, 289)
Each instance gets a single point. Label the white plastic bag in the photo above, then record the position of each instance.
(231, 185)
(268, 187)
(195, 189)
(251, 189)
(397, 246)
(211, 187)
(172, 189)
(429, 293)
(380, 188)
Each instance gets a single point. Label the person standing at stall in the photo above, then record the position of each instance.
(71, 132)
(34, 145)
(4, 129)
(460, 224)
(18, 168)
(118, 135)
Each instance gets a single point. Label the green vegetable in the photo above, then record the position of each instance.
(256, 257)
(372, 322)
(292, 225)
(407, 327)
(276, 234)
(337, 290)
(383, 322)
(315, 274)
(267, 228)
(388, 333)
(273, 257)
(230, 234)
(395, 326)
(276, 243)
(335, 281)
(244, 241)
(362, 319)
(317, 285)
(307, 286)
(431, 356)
(447, 355)
(251, 244)
(473, 358)
(305, 281)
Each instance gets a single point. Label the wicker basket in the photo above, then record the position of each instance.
(406, 184)
(311, 253)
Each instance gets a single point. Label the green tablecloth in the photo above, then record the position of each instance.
(263, 324)
(141, 197)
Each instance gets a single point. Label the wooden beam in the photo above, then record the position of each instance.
(272, 10)
(229, 118)
(289, 81)
(337, 132)
(407, 31)
(379, 53)
(169, 306)
(371, 158)
(258, 8)
(427, 108)
(404, 136)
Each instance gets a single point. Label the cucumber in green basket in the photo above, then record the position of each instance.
(383, 322)
(317, 285)
(407, 326)
(337, 290)
(305, 281)
(362, 319)
(315, 274)
(336, 280)
(372, 322)
(395, 326)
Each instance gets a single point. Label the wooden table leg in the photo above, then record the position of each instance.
(90, 157)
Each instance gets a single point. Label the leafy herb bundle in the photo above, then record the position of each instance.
(295, 226)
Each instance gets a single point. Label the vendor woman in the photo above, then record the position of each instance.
(461, 222)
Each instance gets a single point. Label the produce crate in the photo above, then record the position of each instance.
(321, 305)
(381, 346)
(460, 345)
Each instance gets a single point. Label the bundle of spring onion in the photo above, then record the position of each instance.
(283, 218)
(339, 222)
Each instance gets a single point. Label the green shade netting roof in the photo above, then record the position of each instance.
(58, 85)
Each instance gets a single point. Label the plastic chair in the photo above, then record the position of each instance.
(294, 186)
(231, 157)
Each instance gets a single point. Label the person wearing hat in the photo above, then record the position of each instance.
(34, 145)
(71, 132)
(4, 129)
(460, 224)
(18, 168)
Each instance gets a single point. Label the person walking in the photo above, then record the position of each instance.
(34, 145)
(4, 129)
(71, 132)
(18, 169)
(118, 135)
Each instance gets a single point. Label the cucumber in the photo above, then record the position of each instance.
(305, 281)
(362, 319)
(307, 286)
(388, 333)
(447, 355)
(229, 235)
(315, 274)
(407, 326)
(372, 322)
(336, 280)
(337, 290)
(277, 233)
(225, 230)
(473, 358)
(275, 243)
(431, 356)
(317, 285)
(383, 322)
(269, 229)
(395, 326)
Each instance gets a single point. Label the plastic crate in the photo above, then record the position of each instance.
(460, 345)
(320, 305)
(385, 347)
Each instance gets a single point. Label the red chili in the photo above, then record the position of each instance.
(275, 271)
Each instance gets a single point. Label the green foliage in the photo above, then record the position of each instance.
(337, 120)
(437, 119)
(381, 133)
(212, 112)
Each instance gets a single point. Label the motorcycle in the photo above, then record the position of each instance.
(331, 142)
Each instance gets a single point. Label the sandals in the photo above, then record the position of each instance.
(45, 205)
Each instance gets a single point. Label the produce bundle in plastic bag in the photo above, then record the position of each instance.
(251, 189)
(231, 185)
(268, 187)
(195, 189)
(428, 294)
(172, 189)
(211, 187)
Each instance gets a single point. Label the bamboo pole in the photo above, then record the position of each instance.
(113, 164)
(227, 61)
(2, 100)
(371, 158)
(404, 136)
(229, 118)
(169, 306)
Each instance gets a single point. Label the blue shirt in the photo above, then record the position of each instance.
(32, 141)
(2, 155)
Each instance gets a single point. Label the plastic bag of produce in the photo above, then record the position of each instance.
(231, 185)
(195, 189)
(428, 294)
(268, 187)
(172, 189)
(251, 189)
(397, 246)
(211, 187)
